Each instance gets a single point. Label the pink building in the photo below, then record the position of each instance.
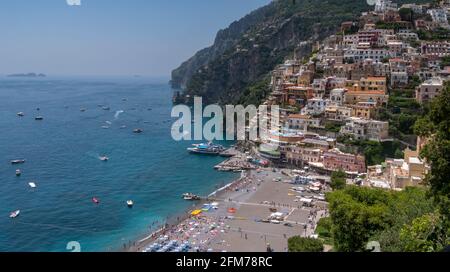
(335, 160)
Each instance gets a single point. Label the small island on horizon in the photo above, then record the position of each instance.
(27, 75)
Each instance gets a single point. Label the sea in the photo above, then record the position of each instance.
(62, 157)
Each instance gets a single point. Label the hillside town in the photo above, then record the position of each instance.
(347, 117)
(333, 100)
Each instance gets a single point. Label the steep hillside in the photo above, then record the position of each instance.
(243, 54)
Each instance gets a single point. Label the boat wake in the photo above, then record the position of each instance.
(116, 116)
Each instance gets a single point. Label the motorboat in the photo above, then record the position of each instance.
(138, 130)
(206, 149)
(104, 158)
(32, 185)
(14, 214)
(82, 109)
(130, 203)
(95, 200)
(189, 196)
(39, 118)
(20, 114)
(17, 161)
(18, 172)
(106, 108)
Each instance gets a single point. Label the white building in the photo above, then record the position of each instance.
(382, 6)
(429, 89)
(439, 16)
(399, 79)
(315, 106)
(363, 129)
(359, 55)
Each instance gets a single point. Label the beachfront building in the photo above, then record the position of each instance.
(429, 89)
(300, 155)
(336, 160)
(364, 129)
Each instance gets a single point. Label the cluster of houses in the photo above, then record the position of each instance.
(344, 84)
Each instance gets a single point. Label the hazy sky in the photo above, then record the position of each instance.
(110, 37)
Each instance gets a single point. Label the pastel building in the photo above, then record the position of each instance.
(336, 160)
(429, 89)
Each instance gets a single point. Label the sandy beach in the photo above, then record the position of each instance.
(236, 218)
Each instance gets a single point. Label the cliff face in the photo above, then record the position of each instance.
(243, 54)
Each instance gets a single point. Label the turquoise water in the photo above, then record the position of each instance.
(62, 153)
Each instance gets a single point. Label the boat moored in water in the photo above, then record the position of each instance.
(138, 130)
(206, 149)
(95, 200)
(18, 173)
(17, 161)
(189, 196)
(104, 158)
(130, 203)
(39, 118)
(20, 114)
(14, 214)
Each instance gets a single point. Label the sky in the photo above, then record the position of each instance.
(110, 37)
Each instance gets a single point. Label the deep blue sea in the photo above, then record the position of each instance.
(62, 158)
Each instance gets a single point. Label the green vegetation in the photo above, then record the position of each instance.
(256, 92)
(324, 230)
(338, 180)
(402, 112)
(360, 214)
(436, 125)
(440, 34)
(332, 126)
(375, 152)
(426, 234)
(299, 244)
(445, 61)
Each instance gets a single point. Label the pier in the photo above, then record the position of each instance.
(236, 163)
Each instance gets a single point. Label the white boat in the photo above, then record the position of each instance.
(14, 214)
(130, 203)
(32, 185)
(189, 196)
(20, 114)
(18, 172)
(104, 158)
(17, 161)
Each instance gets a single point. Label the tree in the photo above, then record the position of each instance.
(361, 214)
(338, 180)
(425, 234)
(406, 14)
(436, 127)
(300, 244)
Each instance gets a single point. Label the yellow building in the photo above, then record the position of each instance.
(370, 89)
